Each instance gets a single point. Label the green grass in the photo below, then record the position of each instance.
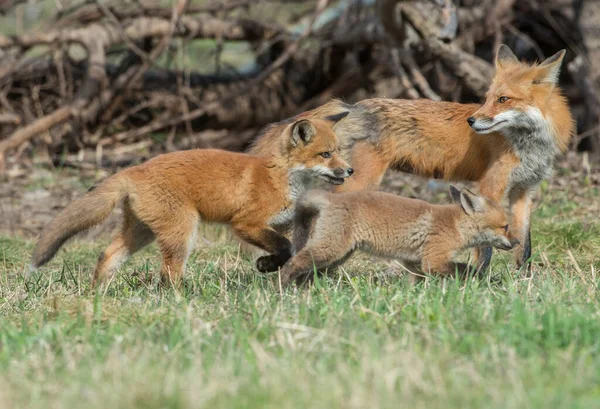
(359, 338)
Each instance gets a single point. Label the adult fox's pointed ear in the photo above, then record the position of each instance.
(505, 55)
(337, 117)
(455, 194)
(302, 131)
(549, 69)
(471, 203)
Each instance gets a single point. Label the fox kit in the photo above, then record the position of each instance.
(167, 196)
(423, 235)
(508, 145)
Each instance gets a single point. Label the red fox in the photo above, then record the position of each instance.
(423, 235)
(167, 196)
(508, 145)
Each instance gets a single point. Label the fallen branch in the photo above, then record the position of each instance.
(138, 29)
(475, 73)
(28, 132)
(111, 98)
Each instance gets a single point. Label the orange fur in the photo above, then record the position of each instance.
(434, 139)
(330, 227)
(167, 196)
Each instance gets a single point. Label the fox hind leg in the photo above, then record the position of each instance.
(308, 277)
(311, 257)
(134, 235)
(176, 243)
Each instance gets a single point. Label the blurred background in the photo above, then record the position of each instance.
(92, 86)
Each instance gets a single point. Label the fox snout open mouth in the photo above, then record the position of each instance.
(338, 176)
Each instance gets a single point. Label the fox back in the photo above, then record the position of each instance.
(385, 224)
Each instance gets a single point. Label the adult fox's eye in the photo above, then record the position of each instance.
(326, 155)
(502, 100)
(505, 228)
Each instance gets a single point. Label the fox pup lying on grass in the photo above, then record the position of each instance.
(167, 196)
(330, 227)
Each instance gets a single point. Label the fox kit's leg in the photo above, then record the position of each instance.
(313, 256)
(436, 265)
(134, 235)
(308, 276)
(175, 225)
(330, 245)
(437, 258)
(493, 185)
(520, 204)
(176, 242)
(444, 267)
(267, 239)
(410, 269)
(369, 168)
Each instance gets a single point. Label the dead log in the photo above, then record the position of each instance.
(129, 90)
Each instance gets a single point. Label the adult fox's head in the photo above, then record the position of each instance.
(519, 96)
(484, 221)
(312, 149)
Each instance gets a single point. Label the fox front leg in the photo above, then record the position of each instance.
(493, 186)
(267, 239)
(483, 258)
(520, 205)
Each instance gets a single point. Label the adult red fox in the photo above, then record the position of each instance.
(423, 235)
(167, 196)
(508, 145)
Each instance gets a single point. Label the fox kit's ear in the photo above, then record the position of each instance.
(302, 130)
(337, 117)
(505, 55)
(471, 203)
(455, 194)
(549, 69)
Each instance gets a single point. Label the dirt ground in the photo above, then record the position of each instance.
(31, 198)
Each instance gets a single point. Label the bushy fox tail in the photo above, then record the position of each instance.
(81, 214)
(308, 208)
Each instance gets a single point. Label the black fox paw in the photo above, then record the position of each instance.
(267, 264)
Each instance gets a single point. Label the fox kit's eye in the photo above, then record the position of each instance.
(326, 155)
(505, 228)
(502, 100)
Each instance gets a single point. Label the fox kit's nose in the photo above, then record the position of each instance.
(350, 171)
(471, 120)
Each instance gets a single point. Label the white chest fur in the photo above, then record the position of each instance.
(534, 143)
(299, 182)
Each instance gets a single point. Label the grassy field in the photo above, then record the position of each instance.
(360, 338)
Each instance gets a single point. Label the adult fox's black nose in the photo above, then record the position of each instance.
(350, 171)
(471, 120)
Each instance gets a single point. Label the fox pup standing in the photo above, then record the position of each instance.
(165, 198)
(508, 144)
(423, 235)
